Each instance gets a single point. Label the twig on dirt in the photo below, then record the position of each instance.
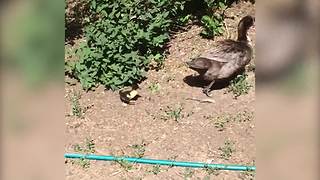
(206, 100)
(115, 173)
(179, 174)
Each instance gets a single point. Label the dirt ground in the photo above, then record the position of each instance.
(165, 123)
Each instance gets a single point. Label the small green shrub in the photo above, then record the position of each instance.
(122, 38)
(139, 150)
(188, 173)
(227, 149)
(88, 147)
(183, 20)
(77, 109)
(212, 171)
(154, 87)
(213, 21)
(239, 86)
(212, 25)
(216, 4)
(247, 175)
(126, 165)
(174, 113)
(156, 169)
(221, 121)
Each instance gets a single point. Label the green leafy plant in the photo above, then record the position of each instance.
(222, 120)
(88, 147)
(154, 87)
(247, 175)
(156, 169)
(122, 38)
(84, 163)
(212, 171)
(77, 109)
(184, 19)
(139, 150)
(188, 173)
(216, 4)
(239, 86)
(127, 166)
(227, 149)
(174, 113)
(213, 21)
(212, 25)
(243, 116)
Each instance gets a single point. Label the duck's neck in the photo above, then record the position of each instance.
(242, 34)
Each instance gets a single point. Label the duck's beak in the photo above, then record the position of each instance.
(254, 25)
(252, 29)
(252, 32)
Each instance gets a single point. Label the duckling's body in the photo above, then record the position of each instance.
(227, 58)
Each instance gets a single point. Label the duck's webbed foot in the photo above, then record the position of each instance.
(207, 89)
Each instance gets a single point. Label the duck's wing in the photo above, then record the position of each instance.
(225, 51)
(199, 63)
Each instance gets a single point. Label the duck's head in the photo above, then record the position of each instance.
(245, 24)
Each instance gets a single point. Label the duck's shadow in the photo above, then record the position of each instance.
(197, 81)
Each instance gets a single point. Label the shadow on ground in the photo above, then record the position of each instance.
(197, 81)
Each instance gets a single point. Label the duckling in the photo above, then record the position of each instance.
(129, 95)
(227, 58)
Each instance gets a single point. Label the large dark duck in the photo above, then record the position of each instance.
(227, 58)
